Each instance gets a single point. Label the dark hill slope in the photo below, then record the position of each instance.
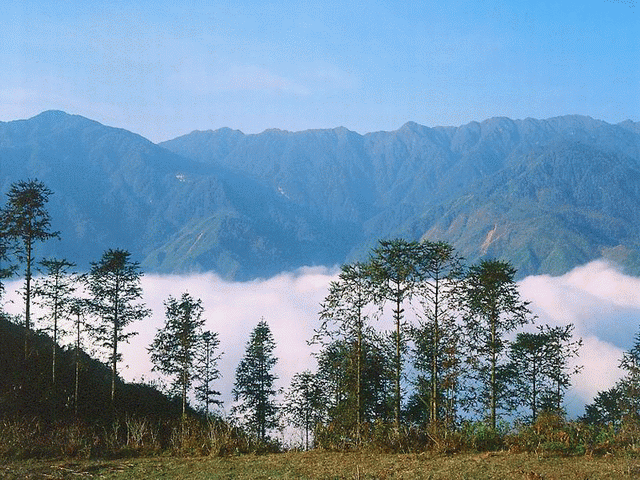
(26, 389)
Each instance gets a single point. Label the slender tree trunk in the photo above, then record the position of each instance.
(398, 362)
(54, 351)
(77, 362)
(534, 392)
(306, 430)
(114, 360)
(27, 301)
(55, 339)
(494, 360)
(359, 379)
(434, 358)
(206, 380)
(184, 391)
(114, 373)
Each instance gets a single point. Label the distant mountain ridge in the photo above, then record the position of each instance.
(545, 194)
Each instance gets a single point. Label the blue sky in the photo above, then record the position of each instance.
(165, 68)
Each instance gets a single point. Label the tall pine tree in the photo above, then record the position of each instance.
(116, 294)
(175, 346)
(253, 387)
(207, 371)
(492, 309)
(343, 316)
(23, 222)
(437, 337)
(395, 272)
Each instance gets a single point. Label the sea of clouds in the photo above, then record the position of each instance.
(600, 301)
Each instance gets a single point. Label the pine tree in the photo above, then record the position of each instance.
(607, 408)
(25, 221)
(304, 403)
(629, 384)
(343, 309)
(54, 291)
(621, 403)
(253, 387)
(492, 309)
(114, 285)
(174, 348)
(395, 272)
(207, 370)
(437, 336)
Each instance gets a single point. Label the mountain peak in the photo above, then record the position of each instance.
(51, 114)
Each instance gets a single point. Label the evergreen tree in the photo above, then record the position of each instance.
(436, 337)
(78, 309)
(175, 346)
(304, 403)
(561, 350)
(337, 372)
(253, 387)
(621, 403)
(395, 272)
(529, 367)
(606, 408)
(114, 285)
(25, 221)
(343, 308)
(492, 309)
(54, 291)
(207, 370)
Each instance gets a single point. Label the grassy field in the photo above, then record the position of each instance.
(329, 465)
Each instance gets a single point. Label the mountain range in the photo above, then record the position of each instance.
(546, 195)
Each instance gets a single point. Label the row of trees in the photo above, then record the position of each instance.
(108, 299)
(101, 303)
(457, 357)
(460, 355)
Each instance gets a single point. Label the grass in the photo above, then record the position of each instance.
(332, 465)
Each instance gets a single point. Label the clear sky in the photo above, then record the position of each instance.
(164, 68)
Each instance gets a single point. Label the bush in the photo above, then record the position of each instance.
(20, 439)
(481, 437)
(25, 438)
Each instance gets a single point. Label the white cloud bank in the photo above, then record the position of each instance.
(604, 306)
(599, 300)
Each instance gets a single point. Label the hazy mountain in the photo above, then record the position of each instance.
(113, 188)
(545, 194)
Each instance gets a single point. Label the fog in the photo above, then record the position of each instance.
(600, 301)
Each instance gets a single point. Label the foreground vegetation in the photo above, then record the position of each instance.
(333, 465)
(136, 437)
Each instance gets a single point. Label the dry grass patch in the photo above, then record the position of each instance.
(332, 465)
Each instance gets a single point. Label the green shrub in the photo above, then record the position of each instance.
(481, 437)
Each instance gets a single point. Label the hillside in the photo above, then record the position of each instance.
(546, 194)
(26, 390)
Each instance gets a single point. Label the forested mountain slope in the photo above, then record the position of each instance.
(545, 194)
